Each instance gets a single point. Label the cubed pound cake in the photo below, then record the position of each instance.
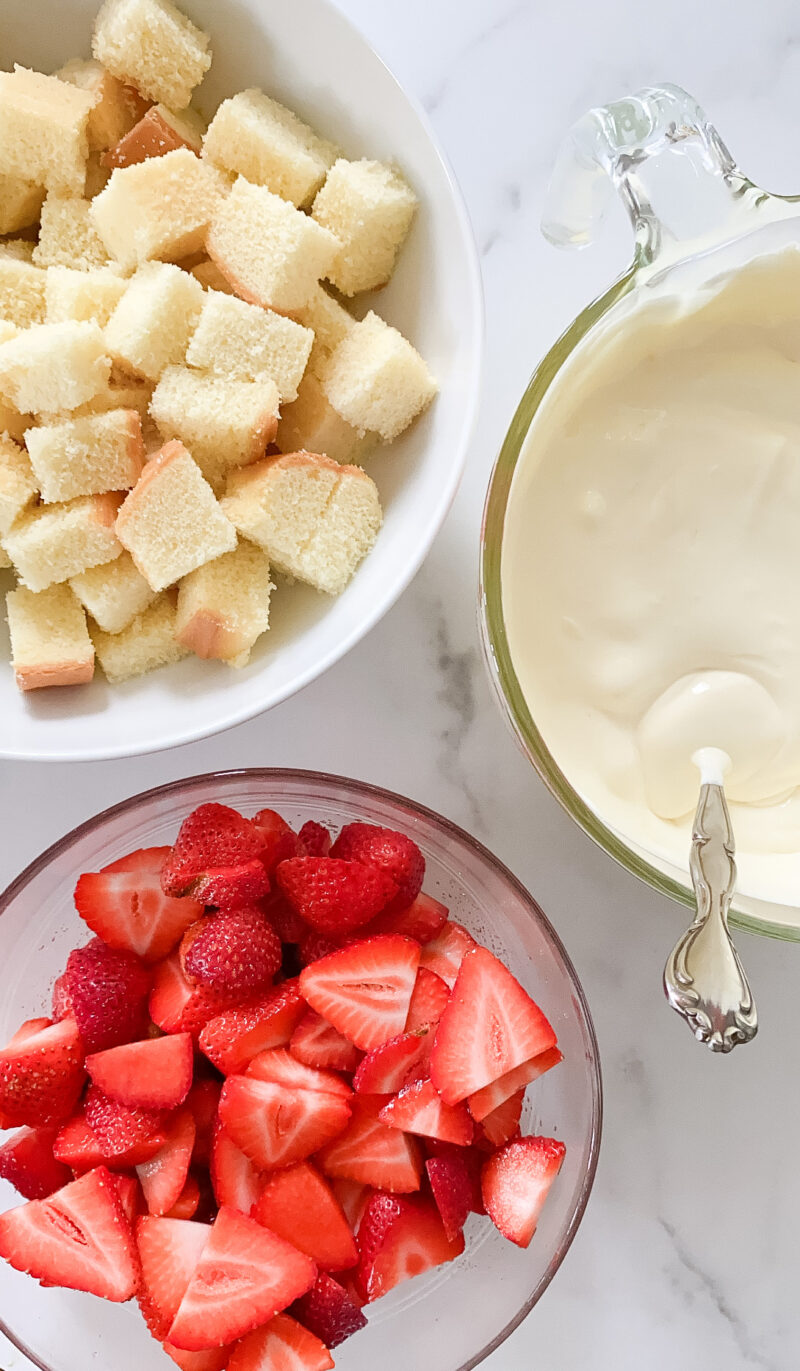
(160, 208)
(158, 132)
(311, 424)
(148, 642)
(18, 486)
(44, 130)
(50, 643)
(153, 46)
(153, 322)
(67, 236)
(53, 543)
(245, 342)
(114, 594)
(369, 207)
(376, 380)
(87, 456)
(54, 367)
(20, 203)
(315, 520)
(272, 254)
(86, 296)
(22, 292)
(329, 321)
(171, 522)
(116, 107)
(223, 423)
(223, 607)
(254, 136)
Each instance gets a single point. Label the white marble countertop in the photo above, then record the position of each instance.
(688, 1255)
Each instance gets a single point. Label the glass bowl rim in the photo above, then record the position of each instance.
(292, 774)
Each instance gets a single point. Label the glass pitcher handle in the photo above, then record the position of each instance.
(628, 146)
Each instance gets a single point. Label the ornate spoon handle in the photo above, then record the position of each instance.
(704, 979)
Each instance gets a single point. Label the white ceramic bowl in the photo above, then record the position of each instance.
(307, 54)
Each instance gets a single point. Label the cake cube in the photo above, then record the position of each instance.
(369, 206)
(171, 521)
(153, 322)
(159, 208)
(43, 130)
(20, 249)
(117, 107)
(272, 254)
(67, 236)
(55, 542)
(153, 46)
(18, 487)
(20, 203)
(311, 424)
(158, 132)
(376, 380)
(148, 642)
(87, 456)
(50, 643)
(329, 321)
(223, 423)
(86, 296)
(22, 292)
(52, 368)
(245, 342)
(113, 594)
(223, 607)
(254, 136)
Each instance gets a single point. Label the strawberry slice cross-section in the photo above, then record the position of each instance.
(169, 1250)
(418, 1109)
(129, 911)
(231, 1039)
(298, 1204)
(153, 1074)
(372, 1153)
(364, 989)
(283, 1345)
(516, 1182)
(275, 1125)
(400, 1237)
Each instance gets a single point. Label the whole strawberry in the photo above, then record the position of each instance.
(237, 952)
(332, 895)
(108, 992)
(388, 851)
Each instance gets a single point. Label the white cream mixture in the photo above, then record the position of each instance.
(651, 568)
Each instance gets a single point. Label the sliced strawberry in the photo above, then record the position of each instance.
(215, 1359)
(130, 1195)
(129, 911)
(79, 1238)
(211, 837)
(387, 851)
(444, 954)
(490, 1026)
(422, 920)
(233, 1038)
(154, 1074)
(282, 1067)
(298, 1204)
(188, 1202)
(315, 1042)
(108, 990)
(400, 1238)
(278, 840)
(418, 1109)
(315, 839)
(232, 888)
(203, 1100)
(364, 990)
(170, 1250)
(164, 1176)
(283, 1345)
(237, 952)
(352, 1196)
(121, 1131)
(41, 1074)
(470, 1157)
(275, 1125)
(370, 1152)
(452, 1190)
(246, 1275)
(428, 1002)
(76, 1146)
(178, 1007)
(502, 1124)
(386, 1069)
(27, 1162)
(313, 945)
(484, 1101)
(146, 859)
(62, 1000)
(236, 1182)
(332, 895)
(516, 1182)
(329, 1311)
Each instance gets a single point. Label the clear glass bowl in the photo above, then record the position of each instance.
(448, 1320)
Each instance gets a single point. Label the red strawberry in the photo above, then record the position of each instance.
(278, 840)
(515, 1184)
(353, 1197)
(422, 920)
(130, 911)
(287, 923)
(215, 1359)
(445, 953)
(502, 1124)
(210, 838)
(244, 1277)
(471, 1158)
(452, 1190)
(313, 945)
(232, 888)
(129, 1196)
(315, 1042)
(41, 1074)
(153, 1074)
(372, 1153)
(236, 1182)
(364, 990)
(386, 1069)
(27, 1162)
(399, 1238)
(108, 990)
(490, 1026)
(484, 1101)
(315, 839)
(79, 1238)
(76, 1145)
(203, 1100)
(283, 1345)
(298, 1204)
(62, 1000)
(275, 1125)
(428, 1002)
(188, 1202)
(237, 952)
(164, 1176)
(329, 1312)
(283, 1068)
(418, 1109)
(136, 1134)
(170, 1250)
(147, 859)
(178, 1007)
(392, 853)
(332, 895)
(232, 1039)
